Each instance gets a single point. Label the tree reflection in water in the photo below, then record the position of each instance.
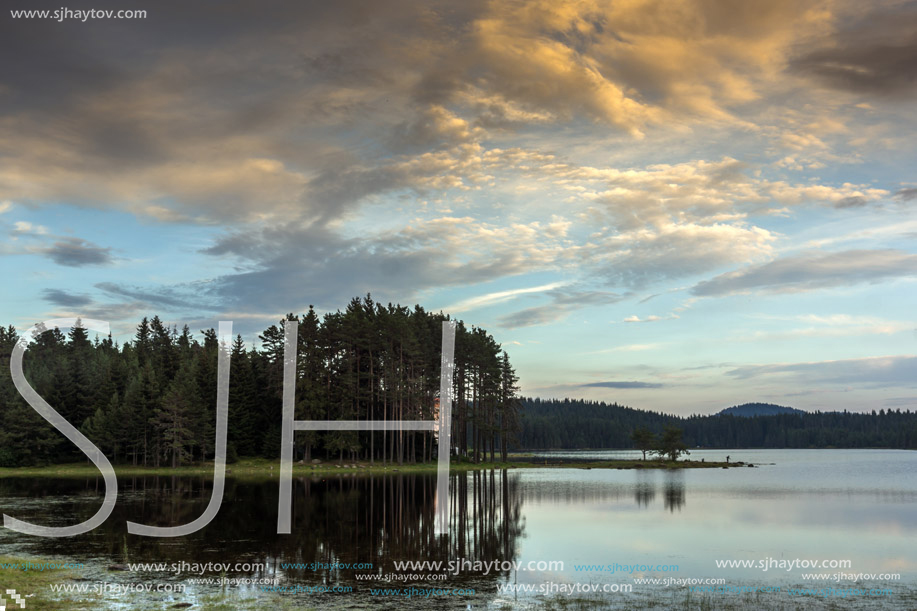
(674, 490)
(336, 520)
(644, 489)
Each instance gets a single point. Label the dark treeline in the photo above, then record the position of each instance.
(570, 424)
(151, 401)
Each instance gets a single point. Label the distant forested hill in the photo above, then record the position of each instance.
(750, 410)
(571, 424)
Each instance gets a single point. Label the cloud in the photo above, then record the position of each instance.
(622, 385)
(907, 194)
(698, 191)
(629, 65)
(811, 271)
(364, 148)
(63, 250)
(642, 257)
(498, 297)
(629, 348)
(63, 298)
(76, 252)
(129, 313)
(834, 325)
(563, 303)
(900, 402)
(875, 55)
(337, 191)
(210, 128)
(650, 318)
(24, 227)
(521, 56)
(854, 201)
(582, 297)
(529, 317)
(246, 119)
(287, 267)
(434, 127)
(187, 296)
(299, 265)
(874, 372)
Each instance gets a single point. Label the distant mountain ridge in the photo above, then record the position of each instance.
(750, 410)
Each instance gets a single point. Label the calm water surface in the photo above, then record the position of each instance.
(852, 505)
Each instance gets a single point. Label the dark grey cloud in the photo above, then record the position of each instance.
(63, 298)
(539, 315)
(127, 313)
(879, 372)
(71, 59)
(907, 194)
(563, 302)
(76, 252)
(109, 95)
(899, 402)
(629, 384)
(577, 297)
(285, 284)
(54, 59)
(180, 296)
(813, 271)
(432, 128)
(130, 311)
(283, 267)
(327, 276)
(335, 191)
(854, 201)
(876, 55)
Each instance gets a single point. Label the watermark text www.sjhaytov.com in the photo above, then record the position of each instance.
(67, 14)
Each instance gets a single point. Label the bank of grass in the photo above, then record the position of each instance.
(264, 468)
(35, 586)
(681, 599)
(276, 603)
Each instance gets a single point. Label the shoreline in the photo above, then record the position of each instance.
(263, 468)
(38, 586)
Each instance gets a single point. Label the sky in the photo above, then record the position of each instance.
(679, 206)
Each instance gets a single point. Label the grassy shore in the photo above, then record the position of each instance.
(263, 468)
(36, 586)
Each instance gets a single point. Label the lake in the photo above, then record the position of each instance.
(853, 509)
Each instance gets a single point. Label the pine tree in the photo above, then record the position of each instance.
(175, 417)
(242, 438)
(310, 388)
(509, 406)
